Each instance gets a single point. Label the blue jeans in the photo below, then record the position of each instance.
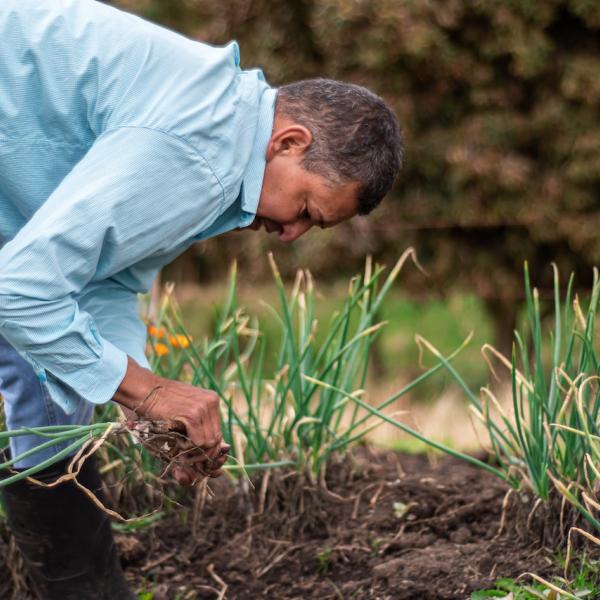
(28, 404)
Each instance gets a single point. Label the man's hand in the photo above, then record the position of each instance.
(183, 407)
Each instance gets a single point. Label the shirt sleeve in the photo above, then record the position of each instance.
(136, 193)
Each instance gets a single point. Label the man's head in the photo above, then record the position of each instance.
(335, 151)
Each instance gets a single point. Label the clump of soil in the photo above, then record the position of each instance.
(384, 526)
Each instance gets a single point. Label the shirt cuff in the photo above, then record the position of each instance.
(96, 383)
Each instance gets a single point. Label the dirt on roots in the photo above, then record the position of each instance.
(381, 525)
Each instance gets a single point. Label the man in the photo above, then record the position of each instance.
(121, 144)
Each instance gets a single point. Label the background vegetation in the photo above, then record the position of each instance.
(500, 106)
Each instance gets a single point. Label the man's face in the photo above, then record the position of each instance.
(293, 199)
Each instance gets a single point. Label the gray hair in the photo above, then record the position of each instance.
(356, 136)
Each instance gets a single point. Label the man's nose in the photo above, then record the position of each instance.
(293, 231)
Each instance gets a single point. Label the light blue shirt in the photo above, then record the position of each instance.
(121, 143)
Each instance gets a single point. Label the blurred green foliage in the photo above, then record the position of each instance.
(394, 354)
(500, 106)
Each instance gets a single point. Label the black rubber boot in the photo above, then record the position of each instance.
(66, 541)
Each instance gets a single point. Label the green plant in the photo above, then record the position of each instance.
(80, 439)
(585, 584)
(324, 559)
(548, 440)
(298, 410)
(553, 401)
(295, 410)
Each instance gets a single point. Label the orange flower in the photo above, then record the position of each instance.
(161, 349)
(179, 341)
(156, 332)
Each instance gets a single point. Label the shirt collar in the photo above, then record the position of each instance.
(255, 170)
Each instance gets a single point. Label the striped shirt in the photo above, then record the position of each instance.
(121, 143)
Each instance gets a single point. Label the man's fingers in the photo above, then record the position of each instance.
(183, 476)
(211, 421)
(191, 468)
(188, 454)
(208, 463)
(215, 417)
(193, 416)
(187, 450)
(202, 419)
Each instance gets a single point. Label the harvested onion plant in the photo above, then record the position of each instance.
(159, 444)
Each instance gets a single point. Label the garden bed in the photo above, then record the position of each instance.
(388, 526)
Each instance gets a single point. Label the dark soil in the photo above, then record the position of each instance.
(380, 526)
(386, 526)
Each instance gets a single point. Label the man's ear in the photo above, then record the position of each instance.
(289, 140)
